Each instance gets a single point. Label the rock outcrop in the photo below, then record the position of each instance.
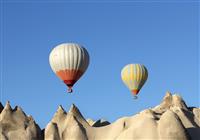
(16, 125)
(65, 126)
(171, 120)
(98, 123)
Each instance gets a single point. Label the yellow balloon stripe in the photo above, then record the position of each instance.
(131, 75)
(126, 74)
(142, 74)
(138, 70)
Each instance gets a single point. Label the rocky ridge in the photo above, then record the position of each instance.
(171, 120)
(16, 125)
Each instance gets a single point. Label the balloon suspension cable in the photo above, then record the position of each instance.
(135, 97)
(69, 90)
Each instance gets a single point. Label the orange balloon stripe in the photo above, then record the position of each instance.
(135, 91)
(73, 75)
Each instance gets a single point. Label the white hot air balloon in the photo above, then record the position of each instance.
(69, 61)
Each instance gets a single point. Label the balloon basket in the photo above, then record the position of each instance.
(135, 97)
(69, 90)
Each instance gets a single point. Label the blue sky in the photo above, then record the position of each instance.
(161, 35)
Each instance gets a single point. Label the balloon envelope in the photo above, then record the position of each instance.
(134, 76)
(69, 61)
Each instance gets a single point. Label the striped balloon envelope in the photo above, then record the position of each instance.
(134, 76)
(69, 61)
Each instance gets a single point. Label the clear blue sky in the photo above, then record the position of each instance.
(161, 35)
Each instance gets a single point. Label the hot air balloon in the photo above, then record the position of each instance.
(69, 61)
(134, 76)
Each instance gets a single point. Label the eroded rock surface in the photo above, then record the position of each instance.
(170, 120)
(16, 125)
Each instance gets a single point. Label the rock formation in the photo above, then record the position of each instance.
(171, 120)
(98, 123)
(15, 125)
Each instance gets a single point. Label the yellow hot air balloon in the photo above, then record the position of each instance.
(69, 61)
(134, 76)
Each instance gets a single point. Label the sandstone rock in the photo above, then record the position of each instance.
(15, 125)
(171, 127)
(100, 122)
(171, 120)
(90, 121)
